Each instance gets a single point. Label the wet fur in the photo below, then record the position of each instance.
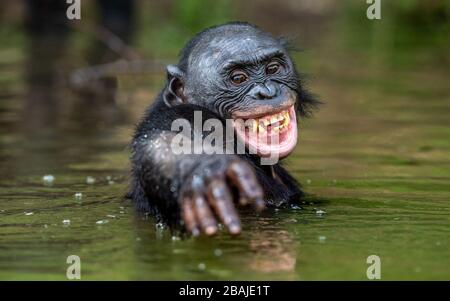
(150, 190)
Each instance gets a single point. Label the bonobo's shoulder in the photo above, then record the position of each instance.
(160, 116)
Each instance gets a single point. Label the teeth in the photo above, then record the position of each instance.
(254, 126)
(277, 121)
(287, 119)
(262, 127)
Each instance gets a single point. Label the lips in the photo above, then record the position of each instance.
(269, 135)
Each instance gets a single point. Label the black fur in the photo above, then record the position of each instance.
(158, 175)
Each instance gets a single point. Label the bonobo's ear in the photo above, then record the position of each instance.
(174, 92)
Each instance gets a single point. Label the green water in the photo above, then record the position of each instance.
(375, 159)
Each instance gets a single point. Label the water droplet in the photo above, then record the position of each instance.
(201, 266)
(90, 180)
(322, 238)
(101, 222)
(320, 212)
(48, 179)
(28, 213)
(218, 252)
(78, 195)
(66, 222)
(160, 226)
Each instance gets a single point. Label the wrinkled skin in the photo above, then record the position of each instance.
(229, 71)
(206, 194)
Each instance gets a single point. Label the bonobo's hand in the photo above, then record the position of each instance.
(207, 195)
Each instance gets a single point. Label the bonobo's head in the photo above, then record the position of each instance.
(241, 72)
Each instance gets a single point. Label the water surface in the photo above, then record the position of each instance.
(375, 162)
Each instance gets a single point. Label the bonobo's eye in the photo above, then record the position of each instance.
(238, 77)
(273, 68)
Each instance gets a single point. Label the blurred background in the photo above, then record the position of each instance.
(375, 159)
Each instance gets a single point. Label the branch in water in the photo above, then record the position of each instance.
(84, 76)
(130, 62)
(111, 40)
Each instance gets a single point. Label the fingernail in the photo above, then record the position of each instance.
(210, 230)
(234, 228)
(260, 205)
(195, 232)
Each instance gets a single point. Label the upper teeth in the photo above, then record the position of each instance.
(277, 122)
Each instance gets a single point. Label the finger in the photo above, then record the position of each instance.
(189, 216)
(204, 216)
(243, 176)
(243, 201)
(219, 196)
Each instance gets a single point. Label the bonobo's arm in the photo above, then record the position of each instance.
(200, 186)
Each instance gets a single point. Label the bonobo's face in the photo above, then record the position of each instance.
(245, 74)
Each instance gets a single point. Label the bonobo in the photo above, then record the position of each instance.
(233, 72)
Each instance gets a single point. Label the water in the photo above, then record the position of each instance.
(375, 161)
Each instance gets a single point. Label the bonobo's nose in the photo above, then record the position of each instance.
(267, 90)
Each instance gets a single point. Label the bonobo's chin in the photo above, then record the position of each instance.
(269, 135)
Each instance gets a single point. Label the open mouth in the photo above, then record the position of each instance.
(269, 135)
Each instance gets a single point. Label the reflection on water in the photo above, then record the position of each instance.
(275, 251)
(375, 161)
